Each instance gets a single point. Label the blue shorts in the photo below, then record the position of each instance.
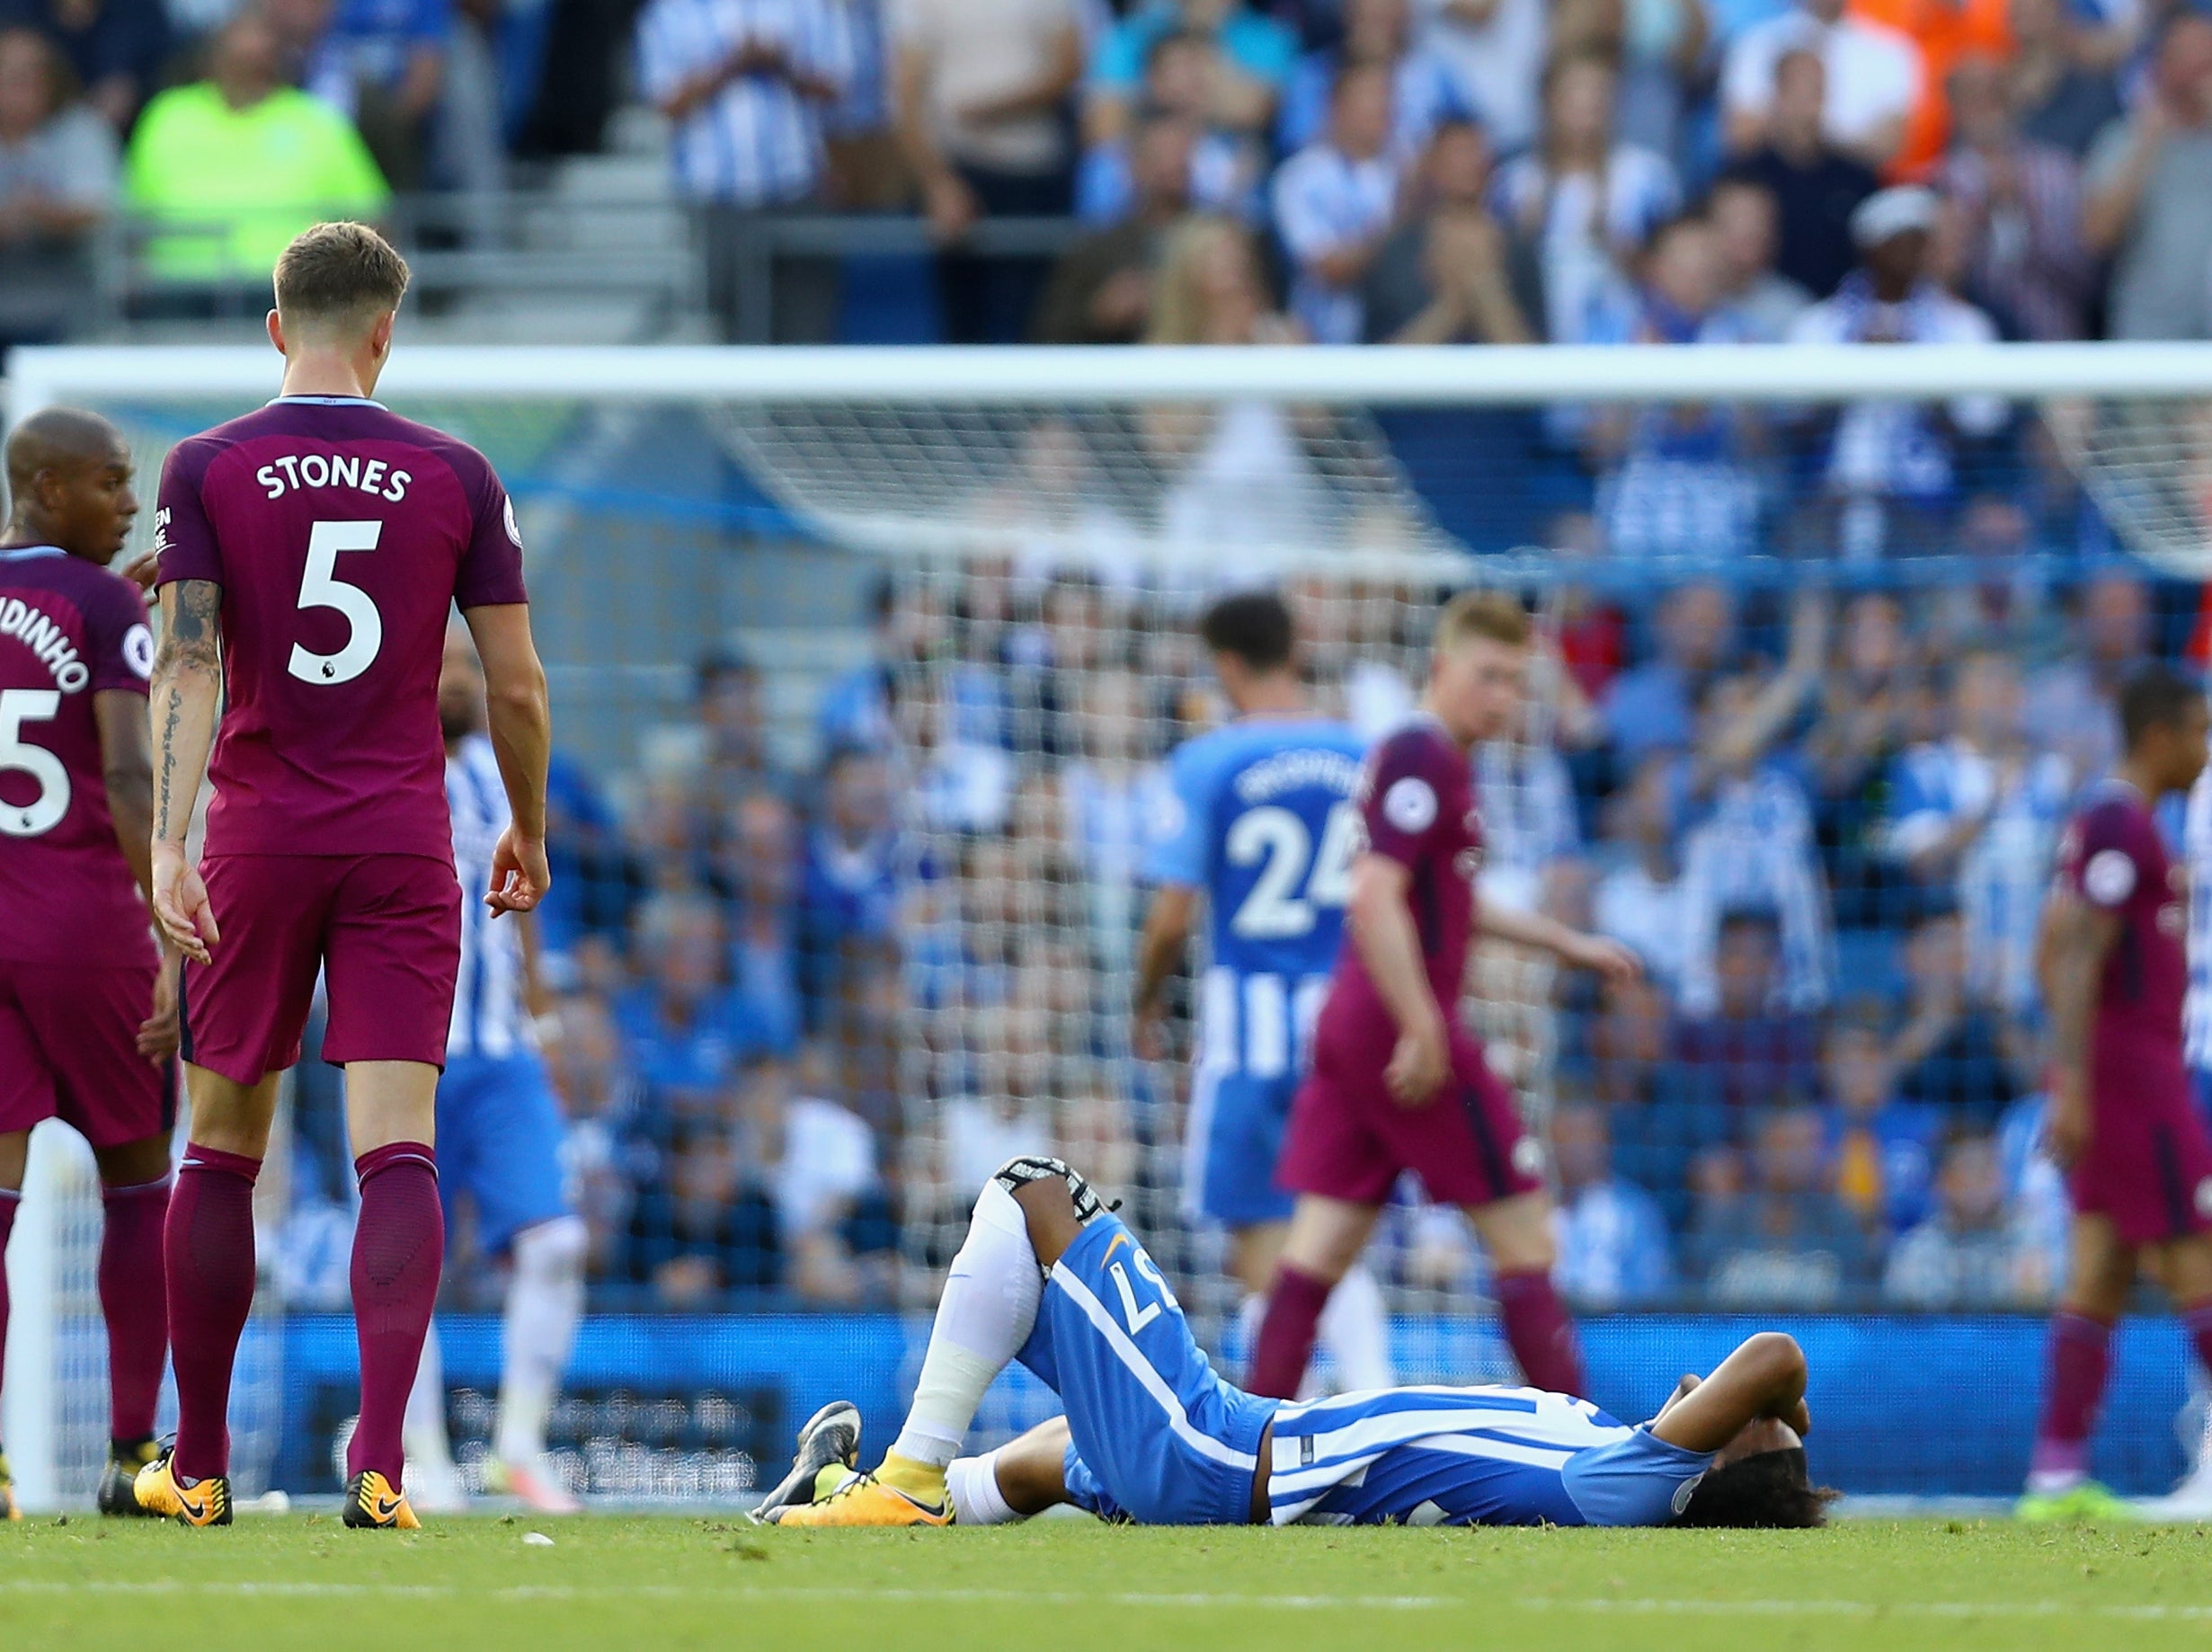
(1231, 1146)
(1158, 1435)
(499, 1141)
(2201, 1079)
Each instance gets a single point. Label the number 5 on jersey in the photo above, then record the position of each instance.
(18, 755)
(320, 587)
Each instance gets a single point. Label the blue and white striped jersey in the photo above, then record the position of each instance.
(1755, 848)
(489, 1017)
(1259, 815)
(757, 141)
(2004, 873)
(1471, 1456)
(2196, 858)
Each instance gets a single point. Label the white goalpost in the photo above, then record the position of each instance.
(1049, 519)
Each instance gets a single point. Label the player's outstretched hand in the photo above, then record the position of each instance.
(157, 1033)
(1417, 1065)
(520, 875)
(180, 904)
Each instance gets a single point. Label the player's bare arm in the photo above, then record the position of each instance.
(187, 691)
(127, 771)
(2074, 941)
(1381, 917)
(1167, 933)
(1607, 957)
(519, 722)
(1762, 1380)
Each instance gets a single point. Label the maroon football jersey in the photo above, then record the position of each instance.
(342, 536)
(68, 630)
(1417, 800)
(2114, 856)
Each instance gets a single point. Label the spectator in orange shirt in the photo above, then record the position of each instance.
(1945, 30)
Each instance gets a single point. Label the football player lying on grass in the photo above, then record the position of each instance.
(1153, 1434)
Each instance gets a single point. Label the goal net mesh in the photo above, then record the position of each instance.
(967, 630)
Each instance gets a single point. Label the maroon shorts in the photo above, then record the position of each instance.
(2148, 1170)
(383, 930)
(68, 1050)
(1348, 1140)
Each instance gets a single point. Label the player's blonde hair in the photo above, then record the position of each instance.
(339, 273)
(1491, 615)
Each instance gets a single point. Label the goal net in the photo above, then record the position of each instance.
(963, 587)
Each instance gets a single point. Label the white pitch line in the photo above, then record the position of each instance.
(1600, 1604)
(674, 1592)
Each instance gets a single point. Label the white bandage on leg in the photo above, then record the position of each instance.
(545, 1303)
(987, 1311)
(1355, 1331)
(972, 1485)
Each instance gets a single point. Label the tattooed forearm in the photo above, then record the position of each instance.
(188, 670)
(191, 618)
(165, 779)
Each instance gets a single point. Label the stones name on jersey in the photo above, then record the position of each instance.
(287, 471)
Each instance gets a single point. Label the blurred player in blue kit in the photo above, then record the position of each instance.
(1263, 830)
(499, 1144)
(1153, 1434)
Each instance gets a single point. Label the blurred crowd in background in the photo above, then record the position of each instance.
(795, 1019)
(1376, 170)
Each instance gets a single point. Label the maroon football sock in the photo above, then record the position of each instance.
(398, 1249)
(1285, 1340)
(207, 1255)
(2080, 1356)
(1540, 1332)
(135, 1304)
(9, 1200)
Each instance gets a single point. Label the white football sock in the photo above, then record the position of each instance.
(972, 1485)
(545, 1302)
(422, 1426)
(1355, 1332)
(988, 1308)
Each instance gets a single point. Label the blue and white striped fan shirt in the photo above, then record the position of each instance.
(1755, 850)
(2196, 857)
(489, 1017)
(2004, 873)
(756, 142)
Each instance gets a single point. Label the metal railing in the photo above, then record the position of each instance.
(516, 244)
(810, 236)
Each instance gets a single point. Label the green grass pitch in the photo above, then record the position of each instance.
(304, 1583)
